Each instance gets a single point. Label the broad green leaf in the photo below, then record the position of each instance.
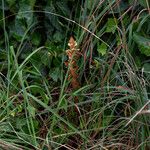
(143, 43)
(26, 12)
(31, 110)
(95, 63)
(19, 108)
(11, 2)
(45, 59)
(32, 3)
(111, 25)
(147, 67)
(52, 19)
(36, 38)
(17, 30)
(89, 4)
(58, 37)
(36, 124)
(55, 74)
(13, 113)
(102, 49)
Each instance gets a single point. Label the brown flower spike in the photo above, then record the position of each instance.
(73, 56)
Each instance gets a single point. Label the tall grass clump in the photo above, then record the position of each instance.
(40, 108)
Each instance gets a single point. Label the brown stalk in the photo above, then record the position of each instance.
(73, 56)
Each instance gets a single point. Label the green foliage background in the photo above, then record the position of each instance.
(36, 23)
(35, 98)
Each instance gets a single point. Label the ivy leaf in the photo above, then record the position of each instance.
(143, 43)
(58, 36)
(17, 30)
(36, 38)
(26, 11)
(111, 25)
(55, 74)
(102, 49)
